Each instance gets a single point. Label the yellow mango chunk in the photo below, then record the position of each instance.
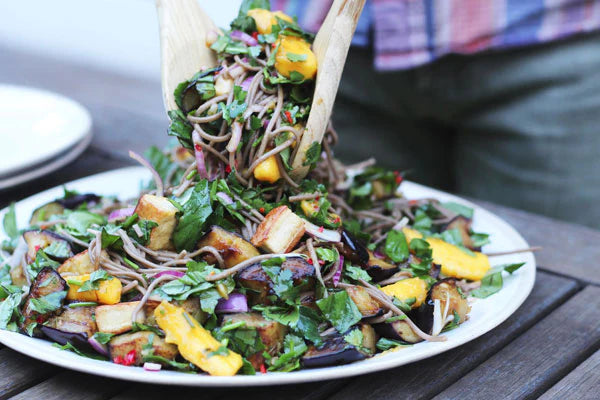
(109, 291)
(406, 289)
(294, 54)
(265, 19)
(455, 262)
(194, 342)
(267, 171)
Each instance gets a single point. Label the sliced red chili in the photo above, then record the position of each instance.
(288, 115)
(263, 369)
(228, 169)
(255, 35)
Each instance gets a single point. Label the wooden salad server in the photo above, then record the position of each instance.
(183, 52)
(183, 29)
(331, 47)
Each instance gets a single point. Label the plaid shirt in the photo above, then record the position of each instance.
(408, 33)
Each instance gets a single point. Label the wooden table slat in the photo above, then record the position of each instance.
(579, 261)
(73, 386)
(540, 357)
(20, 372)
(583, 383)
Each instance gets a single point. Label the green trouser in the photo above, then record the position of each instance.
(519, 127)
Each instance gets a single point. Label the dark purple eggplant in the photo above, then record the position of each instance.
(40, 239)
(379, 269)
(47, 281)
(397, 330)
(442, 291)
(259, 285)
(335, 351)
(77, 339)
(75, 201)
(353, 250)
(463, 225)
(434, 271)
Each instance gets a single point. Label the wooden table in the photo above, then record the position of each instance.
(548, 348)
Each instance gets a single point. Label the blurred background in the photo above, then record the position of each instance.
(513, 119)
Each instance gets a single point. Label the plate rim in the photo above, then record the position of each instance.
(22, 168)
(18, 342)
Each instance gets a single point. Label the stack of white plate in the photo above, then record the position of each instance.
(40, 132)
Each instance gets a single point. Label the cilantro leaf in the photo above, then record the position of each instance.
(196, 206)
(94, 282)
(396, 247)
(293, 57)
(312, 153)
(459, 209)
(9, 222)
(340, 310)
(50, 302)
(293, 348)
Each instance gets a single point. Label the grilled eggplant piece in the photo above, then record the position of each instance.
(116, 318)
(335, 351)
(259, 284)
(271, 333)
(233, 248)
(75, 320)
(463, 225)
(40, 239)
(120, 346)
(369, 337)
(379, 269)
(353, 250)
(76, 200)
(444, 290)
(397, 330)
(47, 281)
(365, 303)
(44, 212)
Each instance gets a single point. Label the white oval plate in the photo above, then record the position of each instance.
(36, 125)
(485, 314)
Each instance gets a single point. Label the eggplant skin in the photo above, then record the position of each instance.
(40, 239)
(260, 286)
(46, 282)
(353, 250)
(446, 288)
(397, 330)
(379, 269)
(335, 351)
(76, 200)
(44, 212)
(78, 339)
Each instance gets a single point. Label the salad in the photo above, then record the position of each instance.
(224, 264)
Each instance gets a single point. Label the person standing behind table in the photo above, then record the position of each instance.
(495, 99)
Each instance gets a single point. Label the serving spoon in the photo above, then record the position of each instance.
(184, 27)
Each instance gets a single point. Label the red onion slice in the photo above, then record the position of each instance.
(328, 235)
(246, 83)
(99, 347)
(177, 274)
(121, 213)
(155, 175)
(243, 37)
(338, 272)
(236, 303)
(225, 197)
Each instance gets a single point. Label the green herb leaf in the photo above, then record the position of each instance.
(384, 344)
(396, 247)
(312, 153)
(50, 302)
(196, 205)
(490, 284)
(10, 222)
(460, 209)
(293, 348)
(293, 57)
(355, 338)
(102, 337)
(94, 282)
(340, 310)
